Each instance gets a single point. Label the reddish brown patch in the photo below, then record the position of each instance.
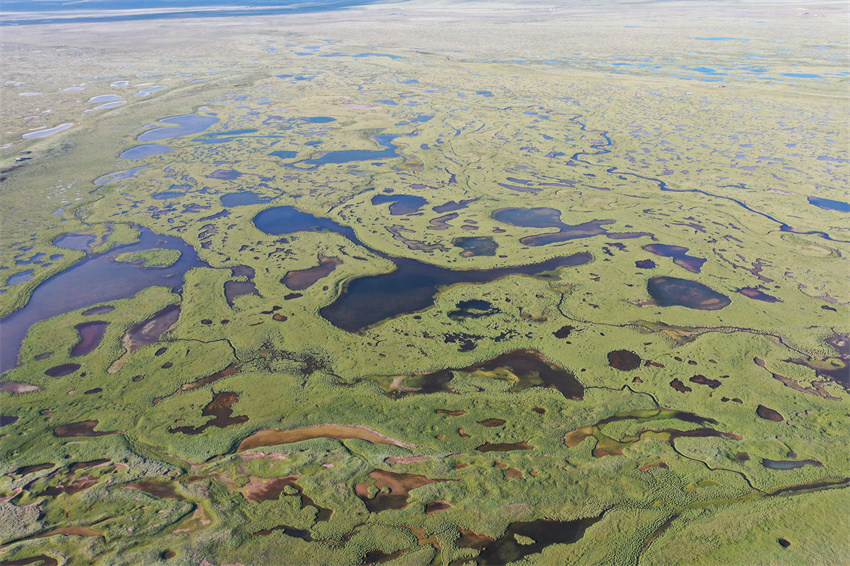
(468, 539)
(436, 507)
(679, 386)
(504, 447)
(462, 432)
(492, 422)
(769, 414)
(83, 428)
(646, 467)
(512, 473)
(160, 489)
(703, 380)
(394, 489)
(451, 413)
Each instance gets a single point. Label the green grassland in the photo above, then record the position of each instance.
(591, 146)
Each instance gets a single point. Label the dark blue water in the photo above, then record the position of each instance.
(169, 9)
(141, 151)
(284, 154)
(243, 198)
(21, 277)
(410, 287)
(96, 279)
(165, 195)
(188, 124)
(828, 204)
(401, 204)
(347, 156)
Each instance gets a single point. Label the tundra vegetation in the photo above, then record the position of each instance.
(450, 287)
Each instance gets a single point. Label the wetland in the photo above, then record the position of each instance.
(350, 284)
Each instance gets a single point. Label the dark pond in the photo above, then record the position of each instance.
(769, 414)
(473, 308)
(451, 206)
(544, 533)
(84, 428)
(679, 254)
(624, 360)
(91, 333)
(346, 156)
(645, 264)
(401, 204)
(220, 408)
(504, 446)
(754, 293)
(233, 289)
(82, 242)
(413, 286)
(165, 195)
(522, 368)
(149, 331)
(117, 176)
(99, 310)
(188, 124)
(410, 287)
(21, 277)
(243, 198)
(788, 464)
(394, 489)
(8, 420)
(548, 218)
(142, 151)
(284, 154)
(63, 370)
(828, 204)
(477, 246)
(94, 280)
(41, 559)
(305, 278)
(671, 291)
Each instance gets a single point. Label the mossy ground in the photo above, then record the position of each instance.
(744, 160)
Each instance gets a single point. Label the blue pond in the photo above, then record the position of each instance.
(243, 198)
(320, 119)
(19, 278)
(401, 204)
(828, 204)
(410, 287)
(141, 151)
(801, 75)
(186, 125)
(347, 156)
(105, 98)
(165, 195)
(96, 279)
(284, 154)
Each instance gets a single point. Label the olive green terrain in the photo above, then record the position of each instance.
(671, 452)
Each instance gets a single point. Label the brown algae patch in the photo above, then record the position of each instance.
(390, 490)
(83, 428)
(522, 368)
(91, 333)
(504, 446)
(305, 278)
(672, 291)
(624, 360)
(146, 333)
(338, 432)
(220, 408)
